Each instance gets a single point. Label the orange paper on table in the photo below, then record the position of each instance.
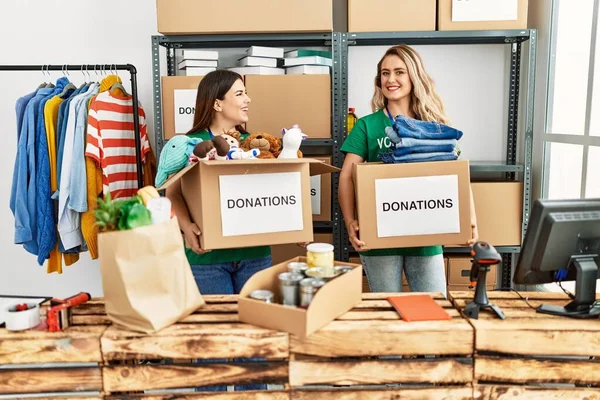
(418, 308)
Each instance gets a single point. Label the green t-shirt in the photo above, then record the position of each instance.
(367, 139)
(224, 255)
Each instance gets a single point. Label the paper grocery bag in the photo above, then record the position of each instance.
(148, 283)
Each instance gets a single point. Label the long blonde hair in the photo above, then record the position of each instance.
(425, 102)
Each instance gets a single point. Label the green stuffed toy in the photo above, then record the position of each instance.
(174, 157)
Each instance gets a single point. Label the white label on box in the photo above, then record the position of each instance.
(261, 203)
(315, 194)
(184, 101)
(424, 205)
(484, 10)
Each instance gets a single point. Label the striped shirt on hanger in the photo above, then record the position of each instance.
(111, 142)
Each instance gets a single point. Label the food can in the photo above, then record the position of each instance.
(297, 267)
(341, 269)
(289, 288)
(262, 295)
(322, 273)
(308, 288)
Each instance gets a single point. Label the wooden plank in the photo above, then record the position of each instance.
(535, 393)
(499, 294)
(239, 395)
(76, 344)
(518, 370)
(549, 337)
(383, 296)
(373, 338)
(382, 315)
(148, 377)
(377, 372)
(438, 393)
(191, 319)
(99, 309)
(190, 341)
(69, 398)
(220, 298)
(515, 303)
(38, 380)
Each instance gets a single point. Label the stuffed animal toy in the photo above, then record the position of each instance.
(235, 152)
(174, 157)
(268, 145)
(222, 147)
(292, 139)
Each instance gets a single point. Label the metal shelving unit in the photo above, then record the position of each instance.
(512, 170)
(339, 43)
(330, 39)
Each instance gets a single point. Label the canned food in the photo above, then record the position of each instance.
(262, 295)
(308, 288)
(289, 289)
(297, 267)
(322, 273)
(341, 269)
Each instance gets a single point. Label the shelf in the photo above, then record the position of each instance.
(322, 224)
(485, 166)
(438, 37)
(243, 40)
(316, 143)
(466, 250)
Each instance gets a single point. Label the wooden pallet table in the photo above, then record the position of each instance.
(530, 355)
(369, 350)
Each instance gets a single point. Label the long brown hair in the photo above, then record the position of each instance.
(425, 102)
(214, 86)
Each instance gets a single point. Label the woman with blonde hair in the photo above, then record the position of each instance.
(402, 87)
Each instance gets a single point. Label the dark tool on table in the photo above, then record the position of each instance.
(58, 316)
(484, 256)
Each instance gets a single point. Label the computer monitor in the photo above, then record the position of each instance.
(562, 243)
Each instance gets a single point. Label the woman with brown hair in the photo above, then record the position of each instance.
(221, 106)
(402, 87)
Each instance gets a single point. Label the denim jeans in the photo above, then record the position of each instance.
(444, 148)
(390, 158)
(228, 278)
(412, 142)
(423, 273)
(404, 126)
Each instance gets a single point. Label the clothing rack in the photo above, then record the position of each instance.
(99, 67)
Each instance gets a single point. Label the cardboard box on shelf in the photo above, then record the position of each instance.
(499, 210)
(320, 194)
(459, 15)
(181, 17)
(459, 269)
(250, 203)
(409, 15)
(408, 205)
(337, 297)
(283, 252)
(178, 103)
(282, 101)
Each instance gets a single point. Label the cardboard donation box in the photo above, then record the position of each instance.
(179, 103)
(252, 202)
(412, 205)
(410, 15)
(332, 300)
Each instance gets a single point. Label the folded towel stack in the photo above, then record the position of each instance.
(420, 141)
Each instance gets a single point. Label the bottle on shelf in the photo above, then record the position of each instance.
(351, 119)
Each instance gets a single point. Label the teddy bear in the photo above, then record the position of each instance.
(268, 145)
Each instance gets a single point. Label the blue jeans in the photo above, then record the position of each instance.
(423, 273)
(404, 126)
(228, 278)
(436, 148)
(412, 142)
(390, 158)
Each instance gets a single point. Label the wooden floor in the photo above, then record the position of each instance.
(368, 353)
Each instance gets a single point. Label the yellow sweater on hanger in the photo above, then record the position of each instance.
(51, 121)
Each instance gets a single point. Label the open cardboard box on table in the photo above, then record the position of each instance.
(332, 300)
(413, 205)
(246, 203)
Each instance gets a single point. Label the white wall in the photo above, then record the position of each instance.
(472, 81)
(62, 32)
